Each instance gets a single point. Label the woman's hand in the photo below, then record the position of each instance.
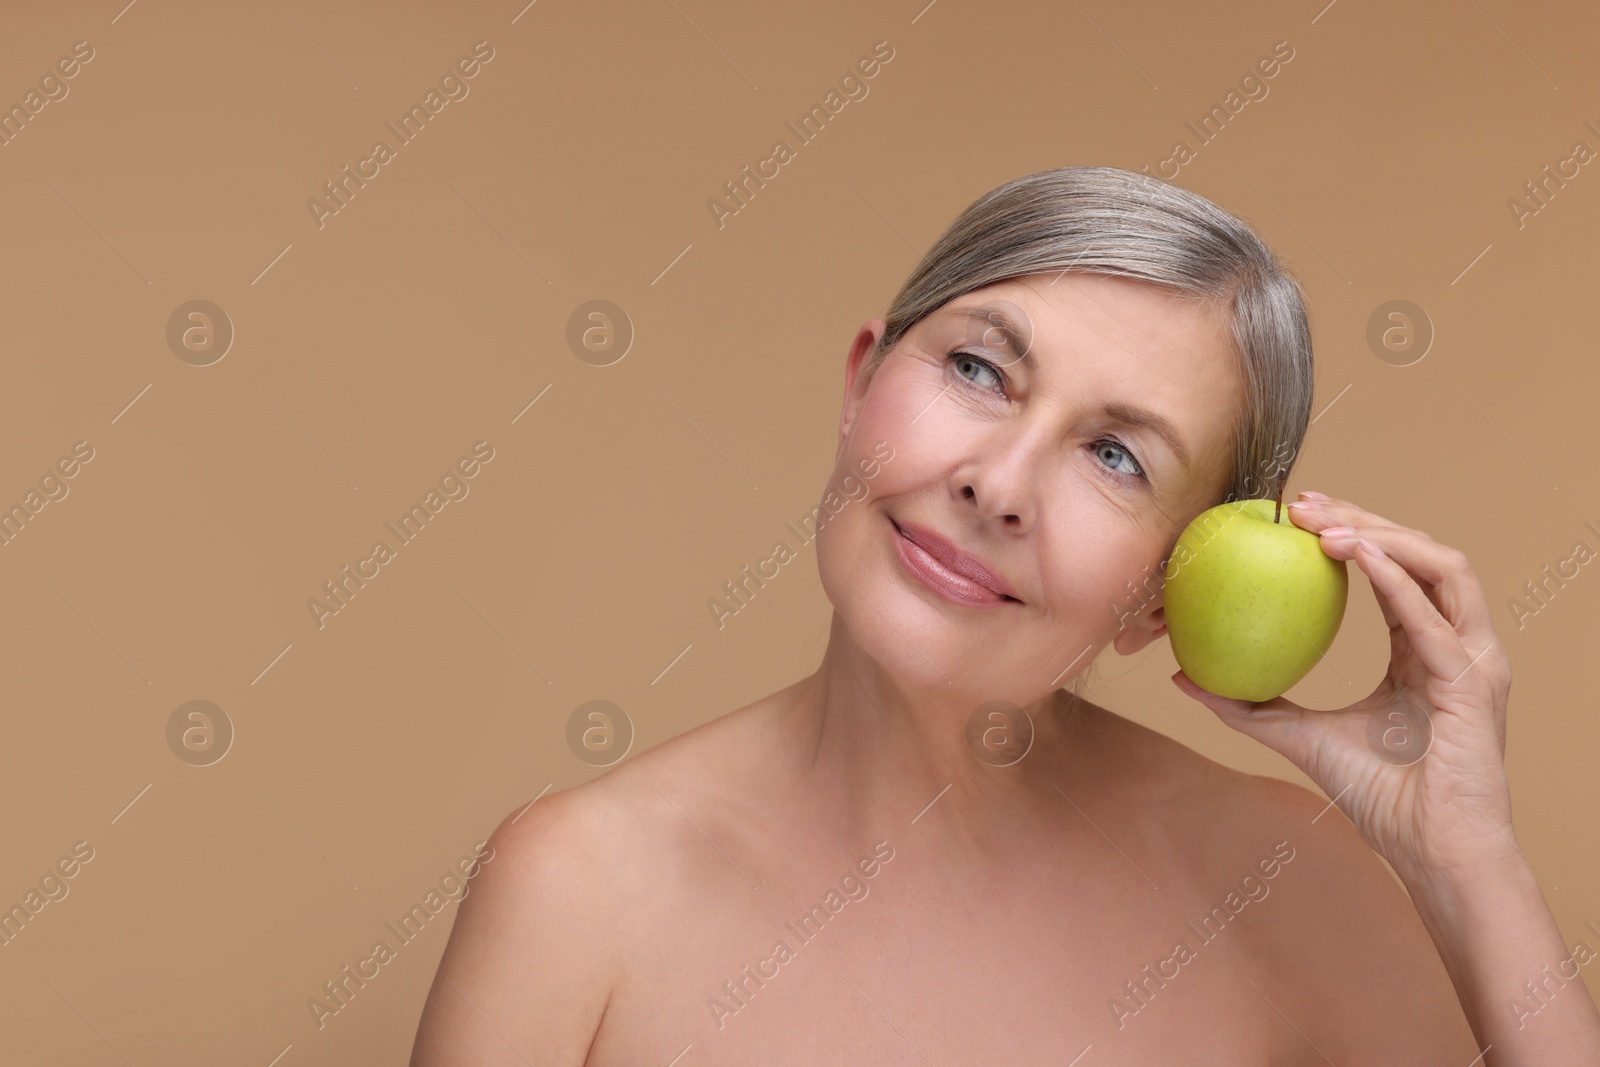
(1418, 764)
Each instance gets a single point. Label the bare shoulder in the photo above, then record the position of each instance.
(526, 965)
(1347, 948)
(1334, 941)
(565, 887)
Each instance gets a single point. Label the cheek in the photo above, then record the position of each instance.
(925, 424)
(887, 425)
(1095, 570)
(916, 477)
(898, 392)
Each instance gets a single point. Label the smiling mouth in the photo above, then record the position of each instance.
(942, 578)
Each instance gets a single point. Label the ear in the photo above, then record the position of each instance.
(1149, 624)
(858, 375)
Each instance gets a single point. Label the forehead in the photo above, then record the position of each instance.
(1137, 319)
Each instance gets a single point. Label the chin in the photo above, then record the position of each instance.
(880, 621)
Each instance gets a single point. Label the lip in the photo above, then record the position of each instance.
(948, 571)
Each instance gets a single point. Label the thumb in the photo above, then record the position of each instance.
(1278, 723)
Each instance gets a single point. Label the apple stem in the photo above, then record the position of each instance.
(1278, 510)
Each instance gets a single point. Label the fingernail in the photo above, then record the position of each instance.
(1338, 531)
(1371, 547)
(1311, 494)
(1306, 505)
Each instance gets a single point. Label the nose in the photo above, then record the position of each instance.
(1001, 479)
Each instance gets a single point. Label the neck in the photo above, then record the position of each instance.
(889, 754)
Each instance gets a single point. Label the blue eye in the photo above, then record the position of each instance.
(966, 363)
(1137, 474)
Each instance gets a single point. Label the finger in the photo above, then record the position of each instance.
(1335, 512)
(1276, 723)
(1447, 579)
(1339, 542)
(1390, 619)
(1433, 637)
(1314, 516)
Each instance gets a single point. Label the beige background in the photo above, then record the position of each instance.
(371, 353)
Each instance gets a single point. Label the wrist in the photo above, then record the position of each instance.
(1473, 853)
(1496, 937)
(1461, 894)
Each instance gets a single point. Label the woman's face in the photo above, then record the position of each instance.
(1034, 456)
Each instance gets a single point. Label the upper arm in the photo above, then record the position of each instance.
(1354, 967)
(527, 972)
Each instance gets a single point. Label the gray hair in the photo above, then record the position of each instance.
(1106, 220)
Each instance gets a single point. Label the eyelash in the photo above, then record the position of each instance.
(1123, 476)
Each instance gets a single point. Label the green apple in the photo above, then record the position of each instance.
(1252, 601)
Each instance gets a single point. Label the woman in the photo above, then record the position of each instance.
(852, 871)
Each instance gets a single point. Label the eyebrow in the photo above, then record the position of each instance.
(997, 320)
(1125, 413)
(1131, 415)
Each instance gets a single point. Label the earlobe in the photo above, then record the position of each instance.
(1149, 625)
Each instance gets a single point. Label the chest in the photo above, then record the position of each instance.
(1038, 963)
